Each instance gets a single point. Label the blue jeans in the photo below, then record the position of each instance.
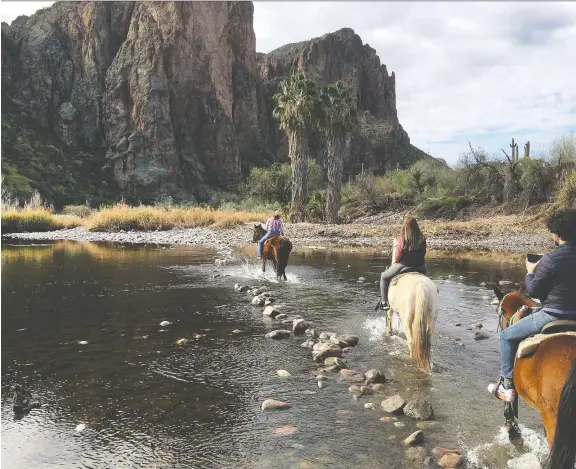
(264, 239)
(513, 335)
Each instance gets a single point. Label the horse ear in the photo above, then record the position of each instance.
(499, 293)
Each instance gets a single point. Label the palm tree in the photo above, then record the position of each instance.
(297, 104)
(338, 119)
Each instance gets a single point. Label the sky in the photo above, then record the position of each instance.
(482, 72)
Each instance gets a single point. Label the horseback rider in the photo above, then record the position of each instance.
(552, 280)
(410, 252)
(273, 228)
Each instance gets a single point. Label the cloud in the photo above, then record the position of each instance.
(465, 71)
(474, 71)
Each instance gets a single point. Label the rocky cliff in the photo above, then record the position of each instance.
(169, 96)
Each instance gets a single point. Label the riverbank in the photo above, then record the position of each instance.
(506, 233)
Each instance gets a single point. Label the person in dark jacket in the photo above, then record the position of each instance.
(552, 280)
(410, 252)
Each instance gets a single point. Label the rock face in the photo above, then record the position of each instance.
(175, 96)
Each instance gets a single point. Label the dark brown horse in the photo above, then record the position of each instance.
(276, 249)
(547, 381)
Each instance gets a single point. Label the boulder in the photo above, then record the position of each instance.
(394, 404)
(451, 460)
(481, 335)
(310, 332)
(416, 438)
(338, 341)
(308, 344)
(273, 404)
(419, 409)
(281, 316)
(299, 326)
(438, 452)
(351, 340)
(375, 376)
(244, 289)
(323, 350)
(258, 301)
(271, 312)
(379, 388)
(278, 334)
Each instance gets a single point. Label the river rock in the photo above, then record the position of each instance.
(438, 452)
(281, 316)
(335, 361)
(399, 424)
(375, 376)
(387, 419)
(351, 340)
(326, 335)
(354, 388)
(451, 460)
(526, 461)
(236, 331)
(258, 301)
(416, 438)
(347, 372)
(361, 279)
(273, 404)
(278, 334)
(394, 404)
(82, 342)
(321, 384)
(80, 428)
(347, 349)
(419, 409)
(366, 390)
(283, 373)
(505, 282)
(323, 350)
(258, 291)
(299, 326)
(271, 312)
(308, 344)
(379, 388)
(310, 332)
(478, 326)
(338, 341)
(182, 341)
(165, 323)
(269, 301)
(481, 335)
(356, 378)
(370, 406)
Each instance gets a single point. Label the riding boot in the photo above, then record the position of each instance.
(385, 305)
(508, 383)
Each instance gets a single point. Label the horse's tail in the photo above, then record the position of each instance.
(422, 327)
(563, 452)
(284, 250)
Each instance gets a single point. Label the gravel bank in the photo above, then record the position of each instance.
(306, 234)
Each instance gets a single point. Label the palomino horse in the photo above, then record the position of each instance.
(547, 381)
(414, 297)
(276, 249)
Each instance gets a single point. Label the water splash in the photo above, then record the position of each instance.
(254, 271)
(500, 452)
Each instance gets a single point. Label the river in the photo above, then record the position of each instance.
(147, 402)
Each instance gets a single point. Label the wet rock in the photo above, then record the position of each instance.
(80, 428)
(236, 286)
(321, 384)
(273, 404)
(370, 406)
(22, 402)
(394, 404)
(416, 454)
(323, 350)
(281, 316)
(326, 335)
(451, 460)
(478, 326)
(361, 279)
(338, 341)
(399, 424)
(458, 324)
(270, 311)
(82, 342)
(416, 438)
(182, 341)
(426, 424)
(165, 323)
(335, 361)
(356, 378)
(347, 349)
(481, 335)
(387, 419)
(526, 461)
(258, 291)
(283, 373)
(299, 326)
(310, 332)
(366, 390)
(269, 301)
(278, 334)
(351, 340)
(320, 377)
(236, 331)
(308, 344)
(347, 372)
(375, 376)
(285, 430)
(430, 463)
(258, 301)
(354, 388)
(419, 409)
(505, 282)
(483, 284)
(438, 452)
(332, 368)
(379, 388)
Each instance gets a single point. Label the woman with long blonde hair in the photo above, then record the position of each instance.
(410, 252)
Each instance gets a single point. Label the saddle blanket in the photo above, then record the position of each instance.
(528, 346)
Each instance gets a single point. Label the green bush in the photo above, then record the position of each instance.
(443, 207)
(566, 197)
(82, 211)
(316, 209)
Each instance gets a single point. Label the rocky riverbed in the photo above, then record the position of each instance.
(310, 234)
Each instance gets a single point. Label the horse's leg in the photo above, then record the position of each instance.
(263, 265)
(511, 417)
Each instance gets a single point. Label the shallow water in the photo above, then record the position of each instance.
(150, 403)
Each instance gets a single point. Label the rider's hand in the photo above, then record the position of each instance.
(531, 266)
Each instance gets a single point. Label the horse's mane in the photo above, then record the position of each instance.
(517, 295)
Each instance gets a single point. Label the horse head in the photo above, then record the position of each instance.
(259, 232)
(508, 304)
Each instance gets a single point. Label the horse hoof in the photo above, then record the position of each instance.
(514, 433)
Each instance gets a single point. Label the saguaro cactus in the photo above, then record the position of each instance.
(527, 149)
(514, 147)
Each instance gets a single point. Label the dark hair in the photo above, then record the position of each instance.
(411, 233)
(563, 223)
(276, 217)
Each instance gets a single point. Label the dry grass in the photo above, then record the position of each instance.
(144, 218)
(35, 219)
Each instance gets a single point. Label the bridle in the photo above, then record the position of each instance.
(502, 318)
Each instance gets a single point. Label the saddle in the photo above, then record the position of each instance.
(553, 329)
(406, 271)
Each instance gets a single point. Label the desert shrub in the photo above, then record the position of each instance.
(82, 211)
(537, 181)
(443, 207)
(566, 196)
(316, 209)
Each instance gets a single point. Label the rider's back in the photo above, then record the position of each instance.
(554, 282)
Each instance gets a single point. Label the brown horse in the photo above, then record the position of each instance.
(547, 381)
(276, 249)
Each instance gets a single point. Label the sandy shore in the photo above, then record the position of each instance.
(443, 236)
